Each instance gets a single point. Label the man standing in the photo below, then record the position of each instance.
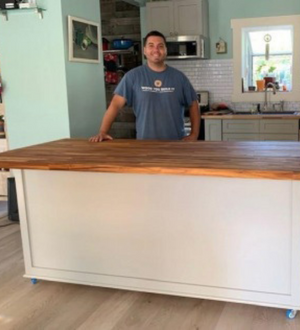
(158, 94)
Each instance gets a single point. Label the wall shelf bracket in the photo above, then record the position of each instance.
(4, 15)
(37, 10)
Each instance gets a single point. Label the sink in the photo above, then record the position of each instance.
(266, 113)
(279, 113)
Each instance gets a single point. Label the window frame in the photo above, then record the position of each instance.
(237, 25)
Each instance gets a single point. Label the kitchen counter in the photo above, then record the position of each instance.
(249, 116)
(251, 127)
(209, 220)
(273, 160)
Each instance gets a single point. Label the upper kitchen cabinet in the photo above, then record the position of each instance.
(178, 17)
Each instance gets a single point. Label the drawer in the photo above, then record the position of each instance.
(240, 137)
(280, 126)
(278, 137)
(240, 126)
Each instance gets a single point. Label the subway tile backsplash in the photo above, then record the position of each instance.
(216, 76)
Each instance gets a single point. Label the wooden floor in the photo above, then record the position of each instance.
(59, 306)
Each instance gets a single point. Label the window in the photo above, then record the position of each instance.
(269, 54)
(265, 49)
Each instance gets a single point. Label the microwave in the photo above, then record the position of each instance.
(187, 47)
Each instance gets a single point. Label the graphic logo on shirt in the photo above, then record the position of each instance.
(158, 89)
(157, 83)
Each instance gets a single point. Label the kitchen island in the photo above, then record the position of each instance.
(213, 220)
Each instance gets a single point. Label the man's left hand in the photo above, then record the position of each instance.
(191, 137)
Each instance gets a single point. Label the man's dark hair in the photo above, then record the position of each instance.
(154, 34)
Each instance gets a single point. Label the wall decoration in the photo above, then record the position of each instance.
(221, 47)
(83, 40)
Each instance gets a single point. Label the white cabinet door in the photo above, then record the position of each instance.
(160, 17)
(189, 18)
(213, 130)
(3, 145)
(179, 17)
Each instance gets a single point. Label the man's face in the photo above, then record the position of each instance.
(155, 50)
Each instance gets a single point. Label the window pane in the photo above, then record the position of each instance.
(281, 41)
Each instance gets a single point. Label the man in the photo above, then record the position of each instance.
(158, 94)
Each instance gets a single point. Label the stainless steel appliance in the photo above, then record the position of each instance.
(203, 100)
(9, 4)
(187, 47)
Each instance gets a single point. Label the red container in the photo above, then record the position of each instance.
(269, 80)
(105, 44)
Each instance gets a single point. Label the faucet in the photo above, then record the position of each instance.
(266, 104)
(279, 105)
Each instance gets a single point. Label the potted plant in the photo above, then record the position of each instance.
(266, 72)
(270, 77)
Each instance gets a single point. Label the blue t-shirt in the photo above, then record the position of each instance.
(158, 100)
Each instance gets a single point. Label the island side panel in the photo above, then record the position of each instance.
(219, 238)
(22, 209)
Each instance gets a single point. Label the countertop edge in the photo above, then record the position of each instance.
(226, 173)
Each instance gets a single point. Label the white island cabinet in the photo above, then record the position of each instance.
(212, 220)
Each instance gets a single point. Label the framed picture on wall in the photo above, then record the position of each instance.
(83, 40)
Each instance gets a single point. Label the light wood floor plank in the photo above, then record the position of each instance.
(52, 305)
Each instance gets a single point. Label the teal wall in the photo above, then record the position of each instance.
(46, 97)
(85, 81)
(33, 73)
(222, 11)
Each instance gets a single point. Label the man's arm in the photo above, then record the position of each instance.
(195, 122)
(111, 113)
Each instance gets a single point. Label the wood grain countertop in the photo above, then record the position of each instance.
(249, 116)
(272, 160)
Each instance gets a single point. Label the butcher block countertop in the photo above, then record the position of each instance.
(272, 160)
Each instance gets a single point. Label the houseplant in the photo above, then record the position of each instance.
(266, 72)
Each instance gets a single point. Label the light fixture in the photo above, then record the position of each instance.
(267, 39)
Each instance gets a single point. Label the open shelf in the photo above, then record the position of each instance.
(118, 51)
(6, 12)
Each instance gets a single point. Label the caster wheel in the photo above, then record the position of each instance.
(291, 313)
(34, 281)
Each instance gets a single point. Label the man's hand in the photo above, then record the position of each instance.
(100, 137)
(116, 104)
(191, 137)
(195, 122)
